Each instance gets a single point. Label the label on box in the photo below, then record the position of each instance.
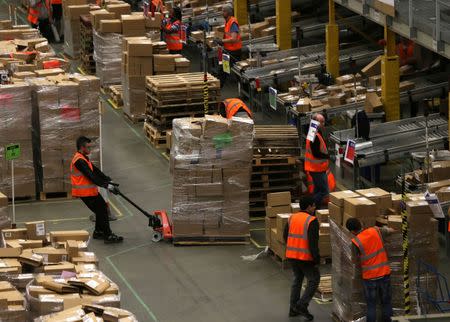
(86, 275)
(370, 194)
(89, 267)
(40, 229)
(7, 234)
(59, 280)
(89, 254)
(3, 264)
(45, 256)
(36, 257)
(92, 284)
(87, 318)
(435, 206)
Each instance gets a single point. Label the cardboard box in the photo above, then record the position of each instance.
(119, 9)
(10, 265)
(385, 6)
(441, 170)
(338, 197)
(360, 207)
(112, 25)
(324, 228)
(278, 248)
(373, 68)
(282, 220)
(59, 287)
(336, 213)
(36, 230)
(275, 210)
(418, 208)
(155, 22)
(164, 63)
(85, 258)
(271, 222)
(279, 199)
(295, 207)
(10, 252)
(51, 254)
(375, 81)
(29, 243)
(435, 186)
(303, 105)
(99, 15)
(443, 194)
(17, 233)
(382, 198)
(138, 47)
(365, 221)
(59, 268)
(30, 258)
(65, 235)
(133, 25)
(395, 222)
(373, 103)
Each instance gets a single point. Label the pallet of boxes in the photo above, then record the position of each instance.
(278, 211)
(174, 96)
(378, 207)
(210, 167)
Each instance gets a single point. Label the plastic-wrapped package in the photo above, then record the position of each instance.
(13, 303)
(108, 57)
(88, 313)
(64, 107)
(211, 164)
(15, 127)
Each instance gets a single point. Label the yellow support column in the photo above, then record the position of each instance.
(390, 78)
(332, 42)
(284, 24)
(240, 11)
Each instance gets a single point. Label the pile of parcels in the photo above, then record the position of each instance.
(279, 209)
(211, 160)
(438, 179)
(265, 28)
(45, 115)
(378, 207)
(8, 31)
(345, 92)
(53, 273)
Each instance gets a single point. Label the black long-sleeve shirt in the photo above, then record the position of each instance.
(313, 239)
(315, 148)
(95, 175)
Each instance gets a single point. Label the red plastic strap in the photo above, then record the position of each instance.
(49, 64)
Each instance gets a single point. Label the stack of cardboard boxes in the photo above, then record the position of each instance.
(72, 9)
(210, 166)
(91, 313)
(15, 127)
(278, 211)
(12, 303)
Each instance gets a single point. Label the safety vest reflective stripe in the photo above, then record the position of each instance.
(315, 160)
(368, 268)
(360, 246)
(301, 250)
(367, 257)
(296, 236)
(89, 186)
(81, 185)
(297, 243)
(173, 40)
(233, 105)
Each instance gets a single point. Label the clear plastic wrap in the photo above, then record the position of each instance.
(108, 57)
(63, 109)
(211, 163)
(71, 37)
(81, 313)
(15, 127)
(15, 309)
(348, 298)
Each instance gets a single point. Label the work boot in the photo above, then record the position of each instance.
(113, 239)
(293, 312)
(303, 311)
(98, 234)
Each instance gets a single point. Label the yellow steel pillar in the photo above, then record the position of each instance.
(284, 24)
(240, 11)
(332, 42)
(390, 78)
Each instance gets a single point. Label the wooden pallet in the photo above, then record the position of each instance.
(22, 198)
(283, 262)
(134, 118)
(324, 292)
(43, 196)
(273, 161)
(116, 94)
(156, 138)
(210, 240)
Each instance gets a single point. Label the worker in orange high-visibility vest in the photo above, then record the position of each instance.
(86, 178)
(174, 32)
(57, 16)
(157, 6)
(406, 52)
(375, 268)
(40, 16)
(302, 249)
(317, 162)
(234, 107)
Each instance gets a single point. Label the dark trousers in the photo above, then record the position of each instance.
(321, 189)
(175, 52)
(378, 289)
(45, 29)
(98, 206)
(57, 15)
(301, 270)
(234, 57)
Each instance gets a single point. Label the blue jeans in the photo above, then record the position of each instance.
(374, 289)
(321, 189)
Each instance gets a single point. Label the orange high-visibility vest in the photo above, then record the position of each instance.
(297, 246)
(331, 182)
(227, 35)
(374, 259)
(33, 12)
(234, 105)
(81, 186)
(405, 53)
(313, 164)
(157, 6)
(173, 40)
(56, 1)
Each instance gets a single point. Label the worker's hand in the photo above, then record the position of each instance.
(112, 188)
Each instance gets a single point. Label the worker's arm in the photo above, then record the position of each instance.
(174, 28)
(286, 232)
(100, 174)
(83, 167)
(313, 240)
(386, 231)
(315, 149)
(234, 34)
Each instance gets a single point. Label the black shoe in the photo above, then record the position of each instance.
(303, 311)
(98, 235)
(293, 312)
(113, 239)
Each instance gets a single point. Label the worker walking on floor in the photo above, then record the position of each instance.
(374, 266)
(40, 16)
(57, 15)
(86, 178)
(174, 32)
(317, 162)
(234, 107)
(302, 248)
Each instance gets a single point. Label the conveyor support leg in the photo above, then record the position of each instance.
(284, 24)
(240, 11)
(332, 41)
(390, 78)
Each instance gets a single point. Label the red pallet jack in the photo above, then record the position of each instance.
(159, 221)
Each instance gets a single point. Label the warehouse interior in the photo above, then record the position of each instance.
(299, 57)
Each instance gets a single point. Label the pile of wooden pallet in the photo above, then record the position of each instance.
(276, 166)
(87, 45)
(115, 93)
(324, 292)
(176, 96)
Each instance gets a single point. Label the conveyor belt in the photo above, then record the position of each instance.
(395, 140)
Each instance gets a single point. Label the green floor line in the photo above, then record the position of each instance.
(125, 281)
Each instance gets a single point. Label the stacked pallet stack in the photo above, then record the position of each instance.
(87, 45)
(176, 96)
(71, 17)
(276, 151)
